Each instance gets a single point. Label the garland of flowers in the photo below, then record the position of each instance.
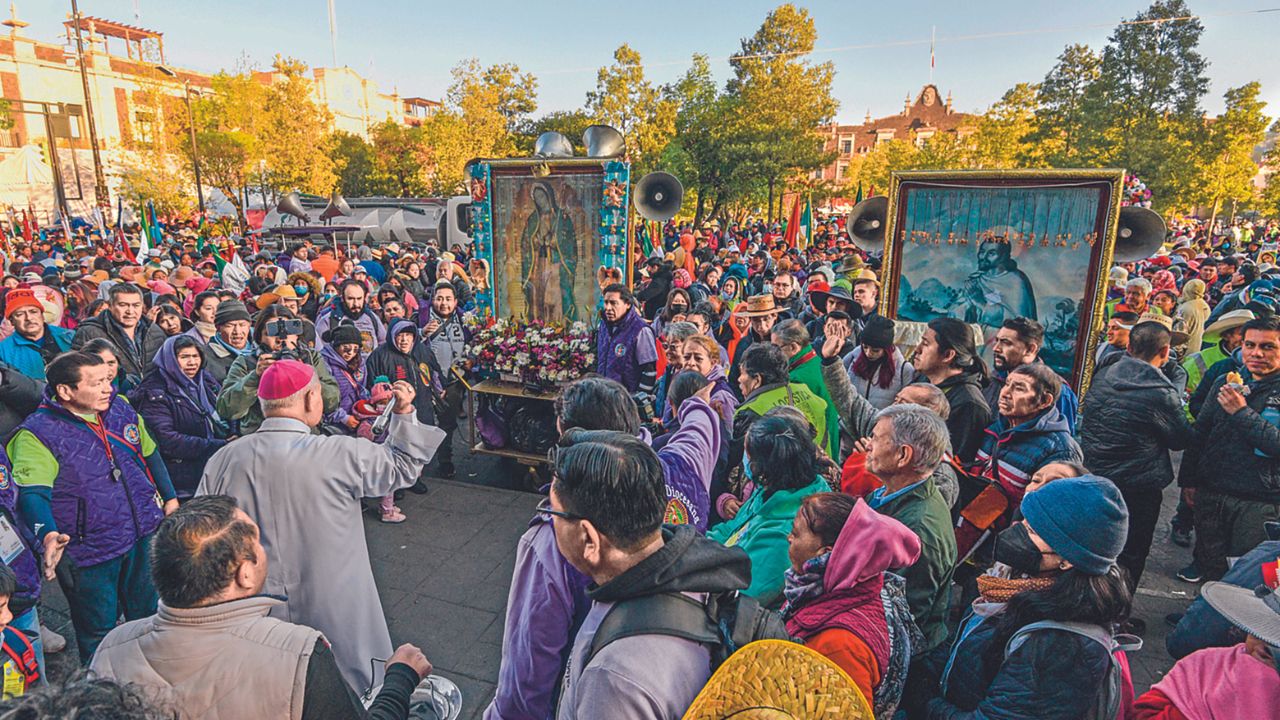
(536, 353)
(1135, 192)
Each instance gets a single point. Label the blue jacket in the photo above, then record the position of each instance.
(1013, 454)
(24, 355)
(1202, 626)
(1054, 675)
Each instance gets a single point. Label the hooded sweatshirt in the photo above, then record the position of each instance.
(1192, 313)
(848, 622)
(417, 367)
(643, 677)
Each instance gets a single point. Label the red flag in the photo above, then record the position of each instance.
(35, 223)
(26, 227)
(793, 224)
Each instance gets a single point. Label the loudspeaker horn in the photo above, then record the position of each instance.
(291, 204)
(603, 141)
(658, 196)
(866, 223)
(1140, 235)
(552, 145)
(337, 207)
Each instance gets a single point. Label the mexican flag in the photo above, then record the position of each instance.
(806, 223)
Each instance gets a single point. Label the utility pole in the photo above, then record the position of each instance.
(99, 179)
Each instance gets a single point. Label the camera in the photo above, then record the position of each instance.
(283, 327)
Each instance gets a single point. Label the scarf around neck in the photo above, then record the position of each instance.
(804, 585)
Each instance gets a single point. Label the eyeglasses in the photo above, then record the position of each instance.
(546, 512)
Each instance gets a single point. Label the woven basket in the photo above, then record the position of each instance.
(779, 680)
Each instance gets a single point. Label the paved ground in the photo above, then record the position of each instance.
(444, 576)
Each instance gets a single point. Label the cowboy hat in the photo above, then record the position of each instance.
(850, 264)
(821, 296)
(275, 294)
(1229, 321)
(1179, 337)
(779, 679)
(865, 275)
(1257, 611)
(759, 306)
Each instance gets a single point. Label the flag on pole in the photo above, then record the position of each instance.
(157, 236)
(793, 225)
(858, 199)
(933, 58)
(234, 273)
(66, 233)
(27, 234)
(144, 237)
(806, 223)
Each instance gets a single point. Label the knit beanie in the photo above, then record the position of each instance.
(19, 298)
(344, 333)
(878, 332)
(230, 311)
(1083, 519)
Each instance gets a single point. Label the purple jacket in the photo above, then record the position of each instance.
(104, 516)
(548, 598)
(618, 353)
(351, 386)
(25, 566)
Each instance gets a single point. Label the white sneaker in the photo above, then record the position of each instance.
(52, 641)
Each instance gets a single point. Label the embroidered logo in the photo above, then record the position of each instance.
(5, 474)
(131, 434)
(620, 350)
(676, 514)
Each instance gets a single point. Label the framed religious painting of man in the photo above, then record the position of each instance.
(987, 246)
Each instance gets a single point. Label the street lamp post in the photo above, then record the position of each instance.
(191, 127)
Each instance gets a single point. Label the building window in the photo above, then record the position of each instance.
(144, 126)
(846, 147)
(922, 137)
(841, 169)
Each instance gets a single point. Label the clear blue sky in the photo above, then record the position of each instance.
(410, 45)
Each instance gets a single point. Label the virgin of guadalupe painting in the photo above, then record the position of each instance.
(986, 247)
(543, 236)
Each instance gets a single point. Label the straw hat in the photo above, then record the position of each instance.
(779, 680)
(865, 275)
(1229, 321)
(759, 306)
(275, 294)
(1179, 337)
(850, 264)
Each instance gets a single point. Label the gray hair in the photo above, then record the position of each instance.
(934, 399)
(921, 429)
(790, 331)
(679, 331)
(1140, 283)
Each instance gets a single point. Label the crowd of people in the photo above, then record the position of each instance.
(760, 455)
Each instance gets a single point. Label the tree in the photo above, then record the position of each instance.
(626, 100)
(1227, 167)
(1060, 105)
(1271, 192)
(353, 163)
(1151, 74)
(483, 107)
(399, 157)
(229, 125)
(293, 132)
(785, 98)
(1002, 138)
(698, 154)
(152, 170)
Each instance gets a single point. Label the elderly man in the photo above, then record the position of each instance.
(304, 491)
(136, 338)
(33, 343)
(1136, 294)
(907, 445)
(211, 649)
(231, 339)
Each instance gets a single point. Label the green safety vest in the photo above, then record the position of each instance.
(798, 396)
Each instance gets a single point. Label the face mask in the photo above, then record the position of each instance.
(677, 309)
(300, 289)
(726, 294)
(1015, 549)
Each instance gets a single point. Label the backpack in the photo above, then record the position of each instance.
(1116, 693)
(723, 624)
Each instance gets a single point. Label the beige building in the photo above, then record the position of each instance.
(121, 61)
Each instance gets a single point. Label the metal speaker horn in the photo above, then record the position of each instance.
(553, 145)
(658, 196)
(337, 207)
(603, 141)
(866, 223)
(291, 204)
(1140, 235)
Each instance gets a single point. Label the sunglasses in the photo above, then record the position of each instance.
(546, 512)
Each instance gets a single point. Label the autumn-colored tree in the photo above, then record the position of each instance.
(294, 129)
(625, 99)
(353, 163)
(400, 156)
(1228, 167)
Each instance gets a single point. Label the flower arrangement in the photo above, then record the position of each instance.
(1135, 192)
(537, 353)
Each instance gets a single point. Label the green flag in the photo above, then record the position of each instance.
(806, 222)
(859, 198)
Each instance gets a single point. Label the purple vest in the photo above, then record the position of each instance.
(24, 566)
(616, 350)
(106, 507)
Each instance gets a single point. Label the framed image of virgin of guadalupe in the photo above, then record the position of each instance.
(985, 246)
(546, 242)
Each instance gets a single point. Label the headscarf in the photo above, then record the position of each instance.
(193, 389)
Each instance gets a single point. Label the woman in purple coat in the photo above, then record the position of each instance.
(341, 352)
(176, 398)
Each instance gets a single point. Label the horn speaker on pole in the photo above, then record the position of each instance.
(866, 223)
(1141, 233)
(658, 196)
